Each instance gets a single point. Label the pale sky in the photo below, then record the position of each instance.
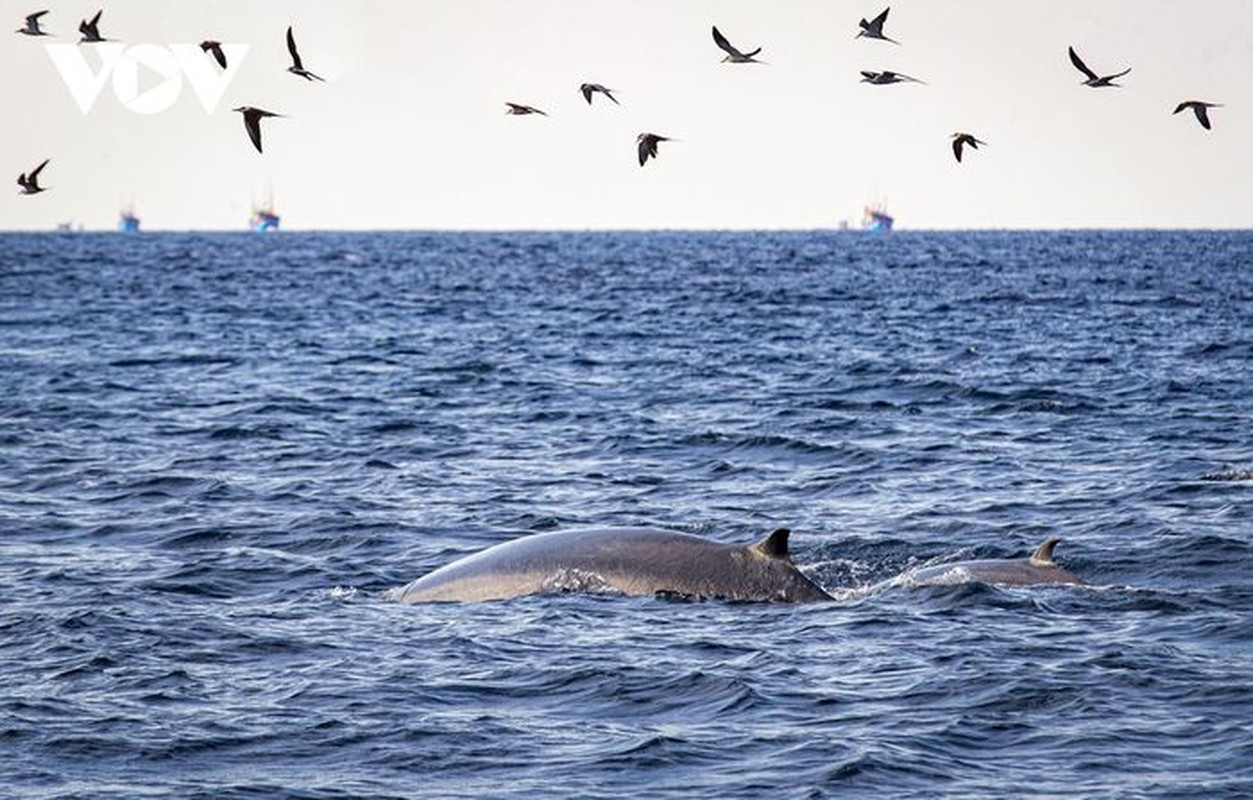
(409, 130)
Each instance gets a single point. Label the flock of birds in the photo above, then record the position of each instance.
(90, 30)
(646, 143)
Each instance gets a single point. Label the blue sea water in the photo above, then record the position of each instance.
(218, 451)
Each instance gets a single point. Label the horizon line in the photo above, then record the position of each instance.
(493, 230)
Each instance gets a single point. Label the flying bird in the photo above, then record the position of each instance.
(518, 108)
(30, 183)
(32, 25)
(1200, 108)
(215, 48)
(732, 54)
(1094, 80)
(252, 123)
(588, 89)
(886, 77)
(647, 145)
(962, 139)
(91, 29)
(297, 66)
(874, 28)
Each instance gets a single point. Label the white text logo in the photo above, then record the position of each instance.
(126, 64)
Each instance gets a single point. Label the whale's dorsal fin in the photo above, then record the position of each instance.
(1043, 555)
(774, 545)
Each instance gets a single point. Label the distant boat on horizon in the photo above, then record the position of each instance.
(877, 218)
(264, 218)
(128, 221)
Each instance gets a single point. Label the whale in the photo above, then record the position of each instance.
(1037, 569)
(624, 561)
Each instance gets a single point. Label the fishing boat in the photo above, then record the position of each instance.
(877, 218)
(128, 221)
(264, 219)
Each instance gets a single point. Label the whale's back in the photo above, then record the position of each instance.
(1038, 569)
(632, 561)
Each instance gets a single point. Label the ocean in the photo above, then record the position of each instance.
(218, 452)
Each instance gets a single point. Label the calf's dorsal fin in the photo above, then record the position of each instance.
(774, 545)
(1043, 555)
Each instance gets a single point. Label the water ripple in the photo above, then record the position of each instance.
(218, 452)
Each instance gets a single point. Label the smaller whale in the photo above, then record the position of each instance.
(1039, 568)
(629, 561)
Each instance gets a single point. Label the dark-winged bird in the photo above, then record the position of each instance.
(646, 145)
(297, 66)
(963, 139)
(588, 89)
(215, 48)
(1200, 108)
(521, 110)
(32, 25)
(1094, 80)
(30, 182)
(732, 54)
(90, 29)
(874, 28)
(886, 77)
(252, 123)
